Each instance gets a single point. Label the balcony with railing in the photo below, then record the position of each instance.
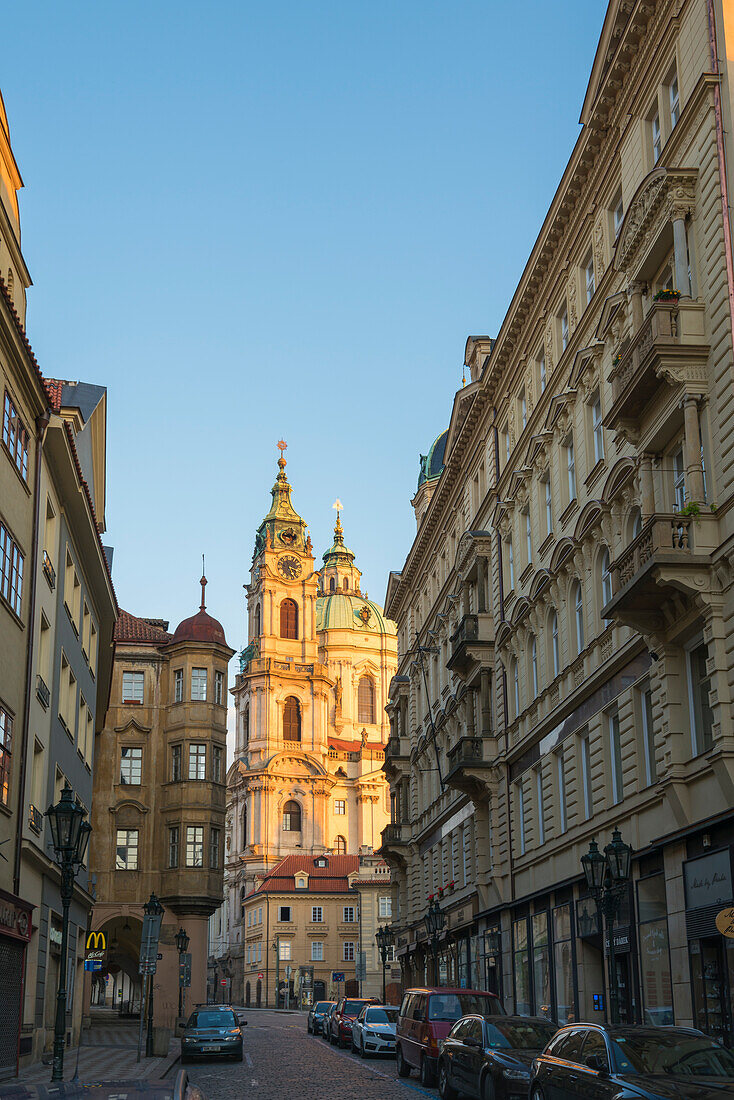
(669, 348)
(472, 645)
(35, 819)
(48, 570)
(668, 557)
(42, 692)
(469, 761)
(395, 838)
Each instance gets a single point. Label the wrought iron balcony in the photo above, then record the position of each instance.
(471, 645)
(669, 348)
(468, 765)
(42, 692)
(664, 561)
(395, 833)
(35, 819)
(48, 570)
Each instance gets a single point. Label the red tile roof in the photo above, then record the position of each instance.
(331, 879)
(54, 388)
(131, 628)
(354, 746)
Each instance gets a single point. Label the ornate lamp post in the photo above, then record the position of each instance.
(182, 943)
(70, 837)
(607, 877)
(385, 939)
(152, 908)
(435, 923)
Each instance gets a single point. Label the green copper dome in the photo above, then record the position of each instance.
(341, 611)
(432, 464)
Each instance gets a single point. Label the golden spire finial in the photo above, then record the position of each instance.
(338, 506)
(282, 447)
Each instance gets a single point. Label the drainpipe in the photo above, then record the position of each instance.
(722, 160)
(41, 425)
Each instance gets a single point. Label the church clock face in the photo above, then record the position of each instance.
(289, 567)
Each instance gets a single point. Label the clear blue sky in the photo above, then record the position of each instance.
(254, 220)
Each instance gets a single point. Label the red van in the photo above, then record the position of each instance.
(425, 1019)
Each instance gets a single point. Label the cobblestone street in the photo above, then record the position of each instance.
(283, 1061)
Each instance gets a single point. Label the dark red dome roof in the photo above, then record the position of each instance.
(199, 628)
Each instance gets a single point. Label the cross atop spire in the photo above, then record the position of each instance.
(203, 582)
(282, 447)
(338, 507)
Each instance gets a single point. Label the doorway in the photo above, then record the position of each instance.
(711, 981)
(625, 988)
(319, 990)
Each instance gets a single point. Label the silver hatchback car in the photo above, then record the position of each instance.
(212, 1031)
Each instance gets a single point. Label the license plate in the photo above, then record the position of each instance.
(209, 1049)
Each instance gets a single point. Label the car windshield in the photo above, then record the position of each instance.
(452, 1006)
(353, 1008)
(381, 1015)
(675, 1055)
(212, 1019)
(321, 1006)
(530, 1035)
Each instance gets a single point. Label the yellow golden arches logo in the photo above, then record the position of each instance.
(96, 941)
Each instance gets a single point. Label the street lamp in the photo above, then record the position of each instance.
(607, 877)
(182, 943)
(385, 939)
(152, 908)
(70, 837)
(435, 922)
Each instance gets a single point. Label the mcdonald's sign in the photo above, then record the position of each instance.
(96, 947)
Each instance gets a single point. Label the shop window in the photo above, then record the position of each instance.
(563, 965)
(521, 967)
(541, 966)
(655, 974)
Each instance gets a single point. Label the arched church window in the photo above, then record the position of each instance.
(289, 619)
(292, 817)
(246, 724)
(340, 846)
(332, 584)
(292, 719)
(345, 582)
(257, 621)
(366, 700)
(244, 827)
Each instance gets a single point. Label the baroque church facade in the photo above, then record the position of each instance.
(310, 720)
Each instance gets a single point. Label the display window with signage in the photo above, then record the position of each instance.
(708, 890)
(654, 951)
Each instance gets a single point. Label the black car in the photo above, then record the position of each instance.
(211, 1031)
(316, 1016)
(490, 1056)
(326, 1021)
(632, 1063)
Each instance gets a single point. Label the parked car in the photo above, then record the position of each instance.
(425, 1019)
(213, 1030)
(343, 1016)
(491, 1056)
(316, 1015)
(326, 1022)
(373, 1032)
(647, 1063)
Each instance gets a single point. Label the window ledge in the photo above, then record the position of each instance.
(596, 473)
(569, 511)
(13, 612)
(546, 544)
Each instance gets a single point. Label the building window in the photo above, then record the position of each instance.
(657, 138)
(216, 764)
(194, 845)
(699, 685)
(176, 756)
(215, 847)
(348, 951)
(340, 846)
(586, 776)
(589, 274)
(11, 570)
(289, 619)
(131, 766)
(133, 687)
(555, 647)
(198, 683)
(571, 469)
(6, 746)
(366, 700)
(648, 737)
(534, 663)
(385, 908)
(317, 951)
(174, 839)
(528, 538)
(515, 686)
(523, 409)
(561, 777)
(15, 437)
(340, 806)
(520, 802)
(348, 914)
(674, 100)
(542, 372)
(606, 578)
(541, 805)
(197, 761)
(597, 429)
(578, 604)
(679, 481)
(127, 850)
(548, 506)
(615, 756)
(284, 950)
(246, 724)
(510, 564)
(284, 913)
(218, 688)
(655, 971)
(292, 817)
(257, 621)
(564, 329)
(291, 719)
(317, 914)
(178, 686)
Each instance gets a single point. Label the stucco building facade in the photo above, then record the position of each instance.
(570, 581)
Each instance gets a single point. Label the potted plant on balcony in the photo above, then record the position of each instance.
(693, 508)
(665, 294)
(451, 886)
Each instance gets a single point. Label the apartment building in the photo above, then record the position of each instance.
(570, 580)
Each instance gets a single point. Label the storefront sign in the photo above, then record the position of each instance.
(725, 923)
(95, 950)
(15, 920)
(708, 880)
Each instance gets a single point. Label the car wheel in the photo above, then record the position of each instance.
(184, 1059)
(238, 1055)
(536, 1095)
(427, 1078)
(362, 1051)
(445, 1089)
(401, 1065)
